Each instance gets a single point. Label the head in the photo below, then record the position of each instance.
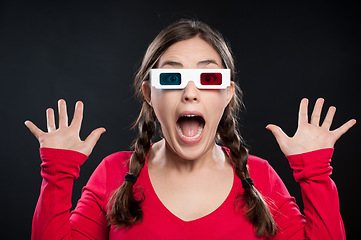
(174, 36)
(188, 34)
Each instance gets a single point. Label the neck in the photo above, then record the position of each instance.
(163, 154)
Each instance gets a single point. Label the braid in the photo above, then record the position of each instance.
(257, 211)
(124, 210)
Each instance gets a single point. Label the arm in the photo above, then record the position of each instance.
(319, 193)
(312, 171)
(60, 168)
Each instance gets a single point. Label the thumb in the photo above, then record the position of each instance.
(279, 134)
(93, 138)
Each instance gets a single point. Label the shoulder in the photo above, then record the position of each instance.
(118, 161)
(260, 171)
(118, 157)
(257, 162)
(112, 168)
(264, 176)
(259, 167)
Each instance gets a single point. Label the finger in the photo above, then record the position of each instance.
(78, 115)
(316, 114)
(50, 120)
(280, 136)
(303, 112)
(93, 138)
(33, 129)
(344, 128)
(329, 118)
(63, 115)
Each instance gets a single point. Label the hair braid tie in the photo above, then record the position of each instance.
(246, 183)
(129, 177)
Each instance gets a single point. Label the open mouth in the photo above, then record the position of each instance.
(190, 126)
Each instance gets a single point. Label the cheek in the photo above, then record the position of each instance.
(163, 103)
(216, 104)
(218, 101)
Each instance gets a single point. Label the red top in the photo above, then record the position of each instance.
(53, 219)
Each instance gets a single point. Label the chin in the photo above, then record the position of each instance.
(192, 151)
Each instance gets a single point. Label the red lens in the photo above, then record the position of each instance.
(211, 79)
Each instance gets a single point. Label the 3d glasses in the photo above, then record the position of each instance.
(179, 78)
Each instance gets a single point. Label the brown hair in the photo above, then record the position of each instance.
(124, 209)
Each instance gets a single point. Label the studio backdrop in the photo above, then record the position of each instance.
(90, 51)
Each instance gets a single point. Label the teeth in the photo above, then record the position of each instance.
(200, 128)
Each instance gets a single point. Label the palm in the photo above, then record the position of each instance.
(61, 138)
(310, 135)
(65, 137)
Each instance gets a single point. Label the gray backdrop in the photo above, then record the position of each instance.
(90, 50)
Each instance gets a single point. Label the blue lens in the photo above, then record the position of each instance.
(170, 79)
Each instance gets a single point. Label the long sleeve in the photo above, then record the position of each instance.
(322, 219)
(52, 217)
(320, 198)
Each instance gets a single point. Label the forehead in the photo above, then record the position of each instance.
(190, 51)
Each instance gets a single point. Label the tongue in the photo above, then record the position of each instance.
(189, 126)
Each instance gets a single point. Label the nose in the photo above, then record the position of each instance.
(190, 92)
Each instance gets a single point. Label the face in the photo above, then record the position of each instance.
(189, 117)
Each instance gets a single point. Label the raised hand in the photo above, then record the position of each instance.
(65, 137)
(310, 136)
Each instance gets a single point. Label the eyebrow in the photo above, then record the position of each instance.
(179, 65)
(172, 63)
(206, 62)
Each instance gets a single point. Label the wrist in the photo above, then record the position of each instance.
(56, 161)
(311, 164)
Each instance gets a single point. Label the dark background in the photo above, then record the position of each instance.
(90, 50)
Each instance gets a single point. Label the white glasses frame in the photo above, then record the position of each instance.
(188, 75)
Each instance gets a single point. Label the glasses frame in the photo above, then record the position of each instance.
(188, 75)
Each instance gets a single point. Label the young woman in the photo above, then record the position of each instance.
(187, 185)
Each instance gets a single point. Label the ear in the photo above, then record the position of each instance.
(230, 92)
(146, 91)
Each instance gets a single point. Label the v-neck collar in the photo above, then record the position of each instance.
(156, 200)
